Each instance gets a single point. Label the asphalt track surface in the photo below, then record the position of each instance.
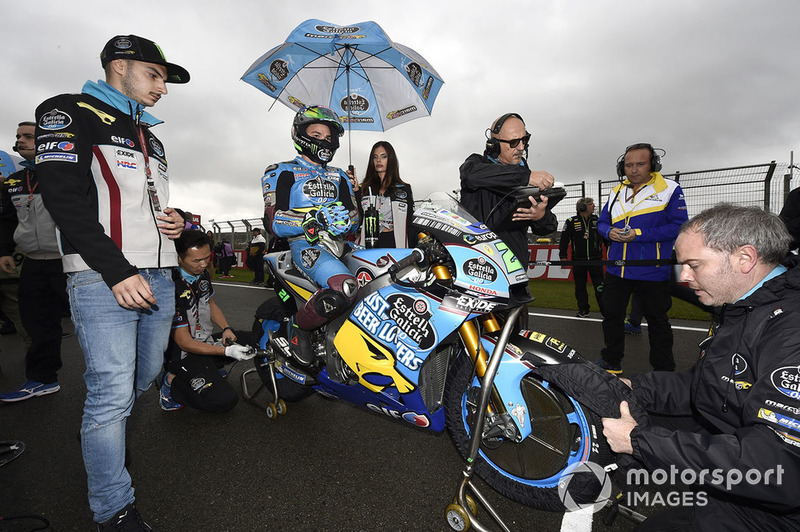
(325, 465)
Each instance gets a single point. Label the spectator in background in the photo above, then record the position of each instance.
(10, 322)
(581, 237)
(226, 258)
(26, 224)
(790, 214)
(487, 179)
(255, 257)
(386, 195)
(641, 220)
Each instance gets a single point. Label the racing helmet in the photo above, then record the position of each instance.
(318, 150)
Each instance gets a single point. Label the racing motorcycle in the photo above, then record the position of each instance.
(415, 346)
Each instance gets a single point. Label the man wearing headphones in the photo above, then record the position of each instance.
(26, 226)
(641, 220)
(487, 179)
(580, 235)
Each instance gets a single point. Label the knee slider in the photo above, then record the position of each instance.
(330, 302)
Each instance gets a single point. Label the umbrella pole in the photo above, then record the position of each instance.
(349, 122)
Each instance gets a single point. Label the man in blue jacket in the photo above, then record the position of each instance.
(641, 221)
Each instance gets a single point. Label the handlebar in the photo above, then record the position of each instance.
(417, 256)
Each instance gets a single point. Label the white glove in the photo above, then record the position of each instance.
(239, 352)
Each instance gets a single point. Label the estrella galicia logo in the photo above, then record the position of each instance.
(481, 270)
(414, 72)
(320, 190)
(54, 120)
(787, 381)
(279, 69)
(354, 104)
(413, 318)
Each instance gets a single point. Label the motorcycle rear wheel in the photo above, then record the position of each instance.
(288, 390)
(563, 435)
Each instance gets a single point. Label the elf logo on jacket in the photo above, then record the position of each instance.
(122, 140)
(106, 118)
(54, 120)
(787, 381)
(158, 149)
(55, 145)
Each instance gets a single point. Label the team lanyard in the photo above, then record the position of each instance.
(151, 185)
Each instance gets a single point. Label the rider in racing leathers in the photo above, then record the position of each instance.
(302, 198)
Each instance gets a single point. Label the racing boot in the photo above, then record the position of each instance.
(300, 340)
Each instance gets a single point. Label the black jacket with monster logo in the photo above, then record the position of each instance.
(746, 388)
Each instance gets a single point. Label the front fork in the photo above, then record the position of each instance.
(471, 339)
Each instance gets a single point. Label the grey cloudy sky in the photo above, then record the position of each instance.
(715, 82)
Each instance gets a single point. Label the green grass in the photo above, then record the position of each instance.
(548, 294)
(561, 295)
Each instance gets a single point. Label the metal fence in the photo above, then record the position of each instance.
(762, 185)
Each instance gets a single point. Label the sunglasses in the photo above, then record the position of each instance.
(513, 143)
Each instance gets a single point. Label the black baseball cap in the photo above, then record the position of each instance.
(141, 49)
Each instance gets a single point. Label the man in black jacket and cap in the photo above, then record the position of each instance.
(487, 179)
(734, 425)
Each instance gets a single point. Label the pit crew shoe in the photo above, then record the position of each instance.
(614, 369)
(126, 520)
(632, 329)
(165, 397)
(29, 390)
(582, 314)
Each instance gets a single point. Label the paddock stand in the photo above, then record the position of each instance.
(462, 513)
(277, 406)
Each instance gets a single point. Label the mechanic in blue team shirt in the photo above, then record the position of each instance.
(305, 200)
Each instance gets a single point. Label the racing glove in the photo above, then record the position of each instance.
(240, 352)
(335, 218)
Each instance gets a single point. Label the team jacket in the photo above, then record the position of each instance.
(581, 235)
(91, 166)
(192, 309)
(402, 207)
(484, 185)
(295, 188)
(23, 219)
(746, 386)
(655, 213)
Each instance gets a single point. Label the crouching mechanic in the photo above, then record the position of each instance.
(194, 356)
(730, 423)
(303, 198)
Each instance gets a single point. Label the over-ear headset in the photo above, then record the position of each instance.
(655, 159)
(582, 205)
(492, 144)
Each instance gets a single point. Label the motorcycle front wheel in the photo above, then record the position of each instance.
(563, 435)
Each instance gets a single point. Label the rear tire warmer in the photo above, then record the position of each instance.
(529, 472)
